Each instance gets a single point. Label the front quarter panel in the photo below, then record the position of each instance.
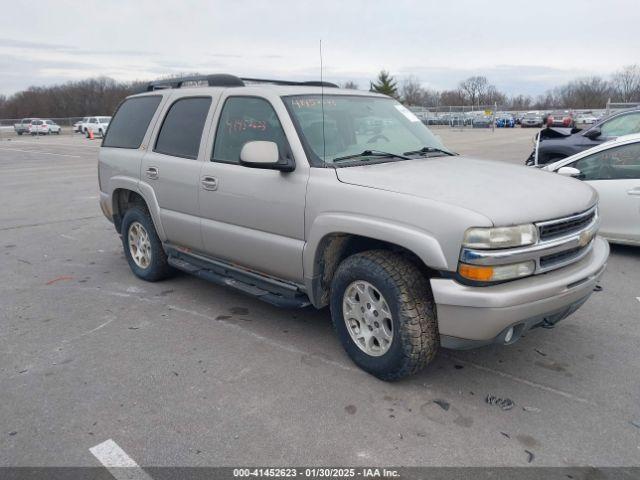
(431, 230)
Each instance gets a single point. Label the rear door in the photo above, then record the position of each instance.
(615, 174)
(171, 166)
(253, 217)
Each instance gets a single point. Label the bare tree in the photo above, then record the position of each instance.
(626, 83)
(411, 91)
(453, 97)
(474, 88)
(350, 85)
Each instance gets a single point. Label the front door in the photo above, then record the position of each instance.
(615, 174)
(253, 217)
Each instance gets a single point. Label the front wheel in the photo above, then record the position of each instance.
(142, 246)
(384, 314)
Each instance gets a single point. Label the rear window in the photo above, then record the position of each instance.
(182, 127)
(131, 121)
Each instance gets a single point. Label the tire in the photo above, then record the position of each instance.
(415, 338)
(157, 267)
(20, 133)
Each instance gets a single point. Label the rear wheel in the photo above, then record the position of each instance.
(383, 312)
(142, 246)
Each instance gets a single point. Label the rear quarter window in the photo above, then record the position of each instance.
(130, 123)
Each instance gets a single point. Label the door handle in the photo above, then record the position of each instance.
(209, 183)
(634, 191)
(152, 173)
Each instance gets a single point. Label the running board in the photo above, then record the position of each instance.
(267, 289)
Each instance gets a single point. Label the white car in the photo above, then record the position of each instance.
(96, 125)
(613, 170)
(77, 127)
(38, 127)
(53, 127)
(586, 119)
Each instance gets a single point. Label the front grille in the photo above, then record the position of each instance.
(567, 226)
(559, 257)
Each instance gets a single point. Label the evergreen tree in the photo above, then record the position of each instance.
(385, 84)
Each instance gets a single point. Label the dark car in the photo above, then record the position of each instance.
(553, 144)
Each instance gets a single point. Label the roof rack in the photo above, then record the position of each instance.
(312, 83)
(215, 80)
(226, 80)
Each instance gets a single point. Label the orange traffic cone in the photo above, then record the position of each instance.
(90, 134)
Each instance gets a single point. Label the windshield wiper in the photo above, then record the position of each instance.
(424, 150)
(370, 153)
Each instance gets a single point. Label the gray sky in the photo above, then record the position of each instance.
(522, 47)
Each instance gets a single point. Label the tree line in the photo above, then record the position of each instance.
(101, 96)
(589, 92)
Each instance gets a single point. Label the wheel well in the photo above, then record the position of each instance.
(124, 199)
(336, 247)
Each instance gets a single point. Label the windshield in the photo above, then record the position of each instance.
(355, 124)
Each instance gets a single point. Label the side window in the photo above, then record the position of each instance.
(614, 164)
(181, 130)
(131, 121)
(622, 125)
(245, 119)
(93, 120)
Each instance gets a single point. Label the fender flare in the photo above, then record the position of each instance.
(147, 194)
(420, 242)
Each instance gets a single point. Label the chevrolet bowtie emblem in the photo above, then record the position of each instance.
(585, 237)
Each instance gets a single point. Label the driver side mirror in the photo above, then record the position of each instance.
(262, 154)
(569, 172)
(593, 133)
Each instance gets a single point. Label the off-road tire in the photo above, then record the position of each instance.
(158, 268)
(408, 294)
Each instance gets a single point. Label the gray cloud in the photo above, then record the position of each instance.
(516, 47)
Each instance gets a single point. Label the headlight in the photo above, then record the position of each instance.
(500, 237)
(497, 273)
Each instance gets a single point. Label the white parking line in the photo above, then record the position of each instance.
(119, 464)
(38, 152)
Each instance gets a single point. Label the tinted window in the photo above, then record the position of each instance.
(131, 121)
(621, 125)
(182, 127)
(614, 164)
(245, 119)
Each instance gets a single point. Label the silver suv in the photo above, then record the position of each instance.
(306, 194)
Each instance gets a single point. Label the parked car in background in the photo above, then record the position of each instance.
(53, 127)
(559, 118)
(613, 169)
(553, 144)
(505, 121)
(586, 119)
(481, 122)
(38, 127)
(531, 120)
(96, 125)
(23, 125)
(78, 126)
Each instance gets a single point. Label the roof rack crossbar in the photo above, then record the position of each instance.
(215, 80)
(312, 83)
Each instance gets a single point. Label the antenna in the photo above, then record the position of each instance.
(324, 144)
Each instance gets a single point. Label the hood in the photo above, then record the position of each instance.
(506, 194)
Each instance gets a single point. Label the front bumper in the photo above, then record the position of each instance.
(470, 316)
